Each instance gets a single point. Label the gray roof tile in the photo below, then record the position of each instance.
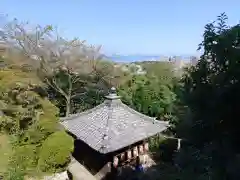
(119, 124)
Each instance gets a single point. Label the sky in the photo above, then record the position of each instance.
(158, 27)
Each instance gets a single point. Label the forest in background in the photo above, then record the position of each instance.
(44, 77)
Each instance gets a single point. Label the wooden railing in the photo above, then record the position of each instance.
(133, 157)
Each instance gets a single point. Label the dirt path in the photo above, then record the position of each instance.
(79, 172)
(102, 173)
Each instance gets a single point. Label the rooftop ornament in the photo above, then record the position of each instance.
(113, 94)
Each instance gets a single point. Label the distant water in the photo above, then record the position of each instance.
(135, 58)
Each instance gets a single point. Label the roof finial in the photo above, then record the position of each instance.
(113, 94)
(113, 90)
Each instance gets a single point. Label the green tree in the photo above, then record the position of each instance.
(149, 95)
(211, 92)
(28, 119)
(163, 71)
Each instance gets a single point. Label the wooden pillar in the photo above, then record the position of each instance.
(122, 157)
(115, 161)
(129, 154)
(146, 147)
(179, 144)
(140, 149)
(135, 151)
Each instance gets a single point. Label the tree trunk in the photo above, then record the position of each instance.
(68, 107)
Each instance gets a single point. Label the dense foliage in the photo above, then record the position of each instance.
(211, 94)
(28, 119)
(149, 96)
(153, 93)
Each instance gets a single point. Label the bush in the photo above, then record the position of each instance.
(163, 148)
(25, 157)
(13, 174)
(30, 121)
(55, 152)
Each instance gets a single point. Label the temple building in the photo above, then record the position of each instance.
(111, 132)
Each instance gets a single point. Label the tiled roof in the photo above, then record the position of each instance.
(112, 125)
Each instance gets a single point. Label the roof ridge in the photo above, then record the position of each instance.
(105, 137)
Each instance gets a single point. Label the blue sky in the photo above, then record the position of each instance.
(128, 26)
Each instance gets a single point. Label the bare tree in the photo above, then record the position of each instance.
(50, 53)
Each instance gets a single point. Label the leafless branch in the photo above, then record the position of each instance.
(78, 94)
(55, 86)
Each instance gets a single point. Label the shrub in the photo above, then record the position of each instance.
(25, 157)
(163, 148)
(14, 174)
(31, 122)
(5, 153)
(55, 151)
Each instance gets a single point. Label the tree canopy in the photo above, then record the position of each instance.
(28, 120)
(211, 94)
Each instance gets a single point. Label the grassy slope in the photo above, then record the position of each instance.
(5, 150)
